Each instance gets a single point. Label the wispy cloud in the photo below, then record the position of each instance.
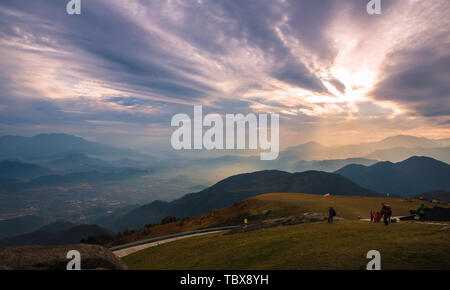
(325, 66)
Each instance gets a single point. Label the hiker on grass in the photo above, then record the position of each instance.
(386, 212)
(331, 215)
(372, 216)
(377, 217)
(421, 211)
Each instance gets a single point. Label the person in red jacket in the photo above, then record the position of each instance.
(377, 217)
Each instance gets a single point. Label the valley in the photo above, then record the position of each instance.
(121, 190)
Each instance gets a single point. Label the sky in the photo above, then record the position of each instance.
(118, 72)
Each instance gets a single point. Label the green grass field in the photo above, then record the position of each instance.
(343, 245)
(349, 207)
(281, 205)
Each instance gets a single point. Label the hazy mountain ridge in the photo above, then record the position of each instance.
(11, 185)
(59, 233)
(14, 169)
(309, 156)
(316, 151)
(440, 195)
(237, 188)
(48, 145)
(330, 165)
(401, 153)
(78, 162)
(20, 225)
(407, 178)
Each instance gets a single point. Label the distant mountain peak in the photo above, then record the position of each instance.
(58, 136)
(420, 159)
(75, 155)
(312, 143)
(47, 145)
(408, 141)
(404, 137)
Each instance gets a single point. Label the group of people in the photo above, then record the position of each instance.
(385, 213)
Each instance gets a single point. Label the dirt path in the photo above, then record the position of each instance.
(128, 251)
(426, 223)
(413, 222)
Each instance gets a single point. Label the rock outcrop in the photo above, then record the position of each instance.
(285, 221)
(93, 257)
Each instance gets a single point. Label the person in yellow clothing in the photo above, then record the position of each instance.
(421, 211)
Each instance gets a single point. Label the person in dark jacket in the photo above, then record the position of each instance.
(386, 212)
(331, 215)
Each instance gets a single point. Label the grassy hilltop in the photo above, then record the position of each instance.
(343, 245)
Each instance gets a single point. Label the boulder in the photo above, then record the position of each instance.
(445, 229)
(93, 257)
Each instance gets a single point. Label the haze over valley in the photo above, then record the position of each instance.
(60, 177)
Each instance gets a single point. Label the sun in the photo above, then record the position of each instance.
(358, 83)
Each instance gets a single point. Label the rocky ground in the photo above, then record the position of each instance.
(292, 220)
(93, 257)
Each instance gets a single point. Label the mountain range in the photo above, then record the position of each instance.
(401, 153)
(237, 188)
(310, 156)
(14, 169)
(48, 146)
(330, 165)
(380, 150)
(46, 171)
(58, 233)
(78, 162)
(407, 178)
(439, 195)
(20, 225)
(8, 186)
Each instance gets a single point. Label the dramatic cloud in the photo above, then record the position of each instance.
(327, 67)
(419, 80)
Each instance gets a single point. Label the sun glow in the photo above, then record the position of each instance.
(357, 82)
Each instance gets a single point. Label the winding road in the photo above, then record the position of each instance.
(128, 249)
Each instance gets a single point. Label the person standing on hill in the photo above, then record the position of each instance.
(331, 215)
(372, 216)
(386, 213)
(377, 217)
(421, 211)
